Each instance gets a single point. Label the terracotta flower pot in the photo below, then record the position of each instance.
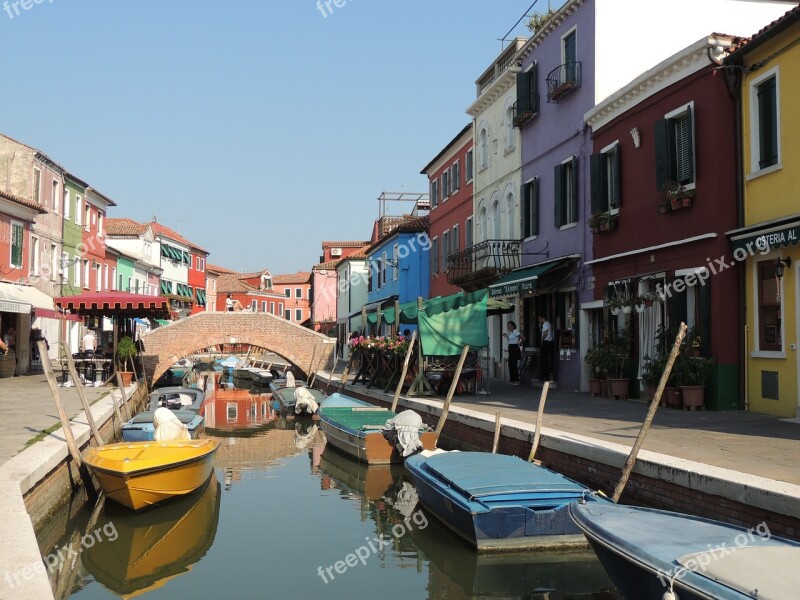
(127, 377)
(619, 388)
(693, 396)
(604, 387)
(674, 398)
(675, 204)
(595, 387)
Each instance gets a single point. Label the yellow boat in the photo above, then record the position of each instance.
(140, 474)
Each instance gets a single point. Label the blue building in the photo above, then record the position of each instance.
(399, 266)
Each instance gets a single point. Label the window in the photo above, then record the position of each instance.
(604, 176)
(54, 256)
(98, 284)
(382, 272)
(114, 278)
(287, 314)
(445, 250)
(56, 196)
(770, 328)
(455, 177)
(764, 121)
(483, 148)
(86, 273)
(272, 308)
(445, 185)
(100, 218)
(254, 305)
(298, 314)
(569, 54)
(87, 212)
(298, 292)
(468, 234)
(527, 106)
(508, 126)
(288, 292)
(77, 273)
(37, 186)
(280, 308)
(455, 241)
(201, 266)
(105, 277)
(78, 212)
(34, 266)
(674, 141)
(263, 306)
(566, 192)
(468, 165)
(395, 262)
(66, 203)
(435, 255)
(530, 208)
(434, 193)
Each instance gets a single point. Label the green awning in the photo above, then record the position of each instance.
(201, 297)
(166, 287)
(450, 322)
(768, 238)
(165, 250)
(186, 257)
(523, 280)
(162, 321)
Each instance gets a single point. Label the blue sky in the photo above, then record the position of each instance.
(257, 129)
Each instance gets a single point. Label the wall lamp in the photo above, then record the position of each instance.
(780, 265)
(392, 262)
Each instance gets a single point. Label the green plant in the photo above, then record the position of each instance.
(539, 19)
(598, 359)
(126, 351)
(619, 346)
(653, 368)
(696, 370)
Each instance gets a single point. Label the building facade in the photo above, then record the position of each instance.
(324, 283)
(352, 293)
(296, 289)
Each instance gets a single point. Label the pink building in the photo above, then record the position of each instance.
(324, 282)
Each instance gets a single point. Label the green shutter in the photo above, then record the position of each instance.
(526, 210)
(524, 104)
(685, 151)
(596, 176)
(535, 212)
(575, 191)
(616, 196)
(663, 163)
(767, 124)
(164, 250)
(17, 243)
(558, 200)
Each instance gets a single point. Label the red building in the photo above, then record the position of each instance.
(296, 289)
(252, 290)
(450, 177)
(97, 269)
(668, 134)
(197, 277)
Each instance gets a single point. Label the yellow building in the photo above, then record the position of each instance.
(767, 70)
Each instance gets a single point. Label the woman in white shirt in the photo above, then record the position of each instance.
(515, 338)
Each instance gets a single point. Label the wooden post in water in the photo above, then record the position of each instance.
(333, 370)
(451, 391)
(62, 414)
(497, 427)
(346, 372)
(73, 372)
(539, 414)
(420, 386)
(124, 397)
(405, 369)
(628, 468)
(311, 362)
(314, 378)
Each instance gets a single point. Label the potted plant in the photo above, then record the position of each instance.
(627, 307)
(597, 359)
(615, 304)
(126, 351)
(695, 372)
(677, 195)
(652, 369)
(649, 298)
(619, 347)
(639, 304)
(594, 221)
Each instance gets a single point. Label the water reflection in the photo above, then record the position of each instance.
(154, 546)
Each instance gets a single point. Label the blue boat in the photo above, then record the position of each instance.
(497, 502)
(658, 554)
(185, 402)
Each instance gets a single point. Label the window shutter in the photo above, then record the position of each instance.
(535, 204)
(526, 209)
(534, 89)
(767, 124)
(704, 327)
(596, 173)
(684, 150)
(523, 93)
(575, 192)
(615, 196)
(557, 196)
(661, 141)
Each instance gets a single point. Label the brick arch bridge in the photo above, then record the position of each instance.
(163, 346)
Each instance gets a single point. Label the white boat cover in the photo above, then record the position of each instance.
(407, 499)
(302, 440)
(186, 399)
(766, 573)
(290, 379)
(407, 424)
(304, 401)
(168, 426)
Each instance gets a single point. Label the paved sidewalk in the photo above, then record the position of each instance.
(741, 441)
(27, 409)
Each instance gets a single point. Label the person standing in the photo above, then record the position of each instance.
(514, 338)
(89, 343)
(10, 339)
(546, 350)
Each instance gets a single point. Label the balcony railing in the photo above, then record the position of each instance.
(526, 109)
(563, 80)
(483, 262)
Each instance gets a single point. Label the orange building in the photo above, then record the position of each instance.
(296, 290)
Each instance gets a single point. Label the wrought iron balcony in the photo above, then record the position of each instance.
(482, 263)
(563, 80)
(526, 109)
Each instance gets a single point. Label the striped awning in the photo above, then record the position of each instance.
(114, 303)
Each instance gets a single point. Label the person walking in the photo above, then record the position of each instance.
(514, 338)
(546, 350)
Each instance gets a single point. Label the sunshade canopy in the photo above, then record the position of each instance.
(116, 304)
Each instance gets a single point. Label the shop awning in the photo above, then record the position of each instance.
(523, 280)
(166, 287)
(201, 297)
(115, 304)
(766, 236)
(163, 321)
(46, 313)
(17, 298)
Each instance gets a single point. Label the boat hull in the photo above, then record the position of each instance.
(372, 448)
(145, 431)
(141, 474)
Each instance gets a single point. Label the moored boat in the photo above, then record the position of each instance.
(284, 399)
(497, 502)
(358, 428)
(177, 398)
(140, 474)
(651, 553)
(142, 429)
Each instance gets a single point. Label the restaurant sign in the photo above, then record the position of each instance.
(779, 238)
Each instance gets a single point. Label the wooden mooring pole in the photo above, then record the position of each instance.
(72, 445)
(539, 416)
(451, 391)
(405, 366)
(497, 428)
(73, 372)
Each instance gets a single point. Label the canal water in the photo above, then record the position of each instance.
(284, 518)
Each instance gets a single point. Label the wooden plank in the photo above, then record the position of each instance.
(651, 413)
(451, 391)
(405, 367)
(47, 367)
(73, 372)
(539, 416)
(497, 427)
(124, 397)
